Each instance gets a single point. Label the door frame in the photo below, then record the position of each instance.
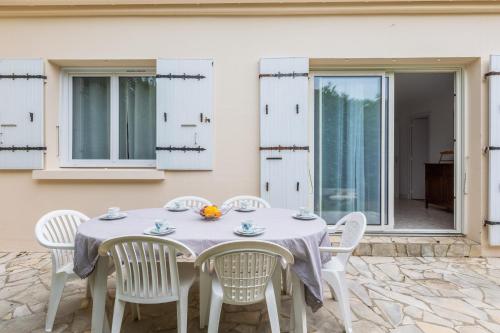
(387, 135)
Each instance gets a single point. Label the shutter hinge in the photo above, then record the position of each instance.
(487, 149)
(20, 148)
(492, 73)
(280, 148)
(22, 76)
(279, 75)
(297, 108)
(298, 186)
(198, 149)
(267, 109)
(31, 116)
(184, 76)
(164, 116)
(267, 186)
(487, 222)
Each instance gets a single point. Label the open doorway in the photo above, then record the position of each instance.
(424, 108)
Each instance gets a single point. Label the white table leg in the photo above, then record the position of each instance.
(100, 281)
(299, 307)
(205, 294)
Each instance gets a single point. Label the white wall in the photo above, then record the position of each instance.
(418, 94)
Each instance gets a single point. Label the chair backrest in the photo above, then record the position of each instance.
(57, 228)
(254, 202)
(190, 201)
(146, 267)
(244, 268)
(354, 229)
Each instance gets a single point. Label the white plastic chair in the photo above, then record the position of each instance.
(244, 274)
(190, 202)
(147, 272)
(56, 231)
(333, 272)
(253, 202)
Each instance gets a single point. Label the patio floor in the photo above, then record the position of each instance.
(389, 294)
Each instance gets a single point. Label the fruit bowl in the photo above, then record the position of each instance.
(212, 213)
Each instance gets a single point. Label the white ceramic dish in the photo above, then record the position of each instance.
(152, 231)
(305, 217)
(244, 210)
(256, 231)
(118, 216)
(180, 209)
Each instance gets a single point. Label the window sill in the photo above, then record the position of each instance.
(99, 174)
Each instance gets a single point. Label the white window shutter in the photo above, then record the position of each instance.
(285, 180)
(21, 114)
(184, 114)
(494, 141)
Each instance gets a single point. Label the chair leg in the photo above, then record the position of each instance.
(182, 310)
(56, 291)
(215, 310)
(338, 282)
(277, 288)
(332, 292)
(272, 308)
(88, 292)
(205, 291)
(118, 315)
(136, 311)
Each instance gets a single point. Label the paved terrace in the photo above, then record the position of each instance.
(389, 294)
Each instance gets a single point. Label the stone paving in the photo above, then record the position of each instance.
(389, 294)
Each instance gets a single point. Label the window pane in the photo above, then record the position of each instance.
(348, 147)
(137, 118)
(91, 119)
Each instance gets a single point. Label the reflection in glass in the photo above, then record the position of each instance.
(91, 119)
(347, 147)
(137, 124)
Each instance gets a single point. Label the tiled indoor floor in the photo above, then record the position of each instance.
(412, 214)
(389, 294)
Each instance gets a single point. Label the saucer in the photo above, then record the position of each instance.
(244, 210)
(153, 231)
(108, 217)
(305, 217)
(180, 209)
(255, 232)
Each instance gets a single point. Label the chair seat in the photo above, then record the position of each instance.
(334, 265)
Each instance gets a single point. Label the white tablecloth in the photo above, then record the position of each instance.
(302, 238)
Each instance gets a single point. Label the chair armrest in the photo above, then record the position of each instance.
(336, 249)
(58, 246)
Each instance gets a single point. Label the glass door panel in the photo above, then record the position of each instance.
(348, 146)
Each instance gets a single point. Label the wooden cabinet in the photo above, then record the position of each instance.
(439, 185)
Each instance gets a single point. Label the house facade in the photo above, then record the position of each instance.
(381, 107)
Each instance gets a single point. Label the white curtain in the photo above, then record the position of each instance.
(348, 122)
(137, 118)
(91, 117)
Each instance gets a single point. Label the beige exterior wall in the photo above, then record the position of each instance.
(236, 44)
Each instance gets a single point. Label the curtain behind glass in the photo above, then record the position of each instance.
(91, 117)
(348, 134)
(137, 124)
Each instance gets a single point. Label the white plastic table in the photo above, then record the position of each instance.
(302, 238)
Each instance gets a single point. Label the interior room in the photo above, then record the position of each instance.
(424, 107)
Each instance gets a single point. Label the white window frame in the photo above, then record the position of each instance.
(66, 112)
(460, 139)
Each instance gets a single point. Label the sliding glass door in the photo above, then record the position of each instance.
(349, 149)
